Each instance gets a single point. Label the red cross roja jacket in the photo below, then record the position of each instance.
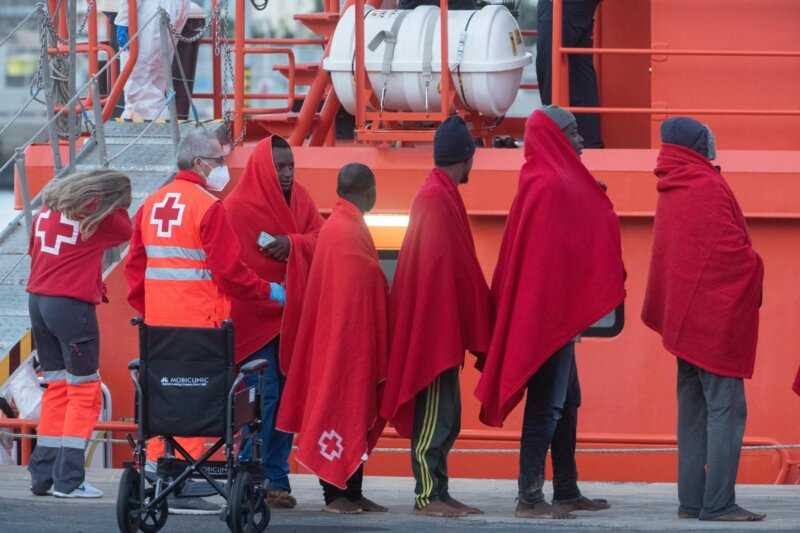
(183, 265)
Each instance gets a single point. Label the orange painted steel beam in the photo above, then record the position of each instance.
(558, 59)
(269, 41)
(686, 52)
(238, 72)
(684, 111)
(251, 96)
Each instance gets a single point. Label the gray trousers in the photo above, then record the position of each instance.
(711, 417)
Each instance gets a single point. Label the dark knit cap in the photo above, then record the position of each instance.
(686, 132)
(453, 142)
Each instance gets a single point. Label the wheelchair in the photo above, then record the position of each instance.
(187, 386)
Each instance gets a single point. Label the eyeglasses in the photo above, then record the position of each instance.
(220, 161)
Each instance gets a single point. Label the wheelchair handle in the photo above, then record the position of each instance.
(134, 365)
(254, 366)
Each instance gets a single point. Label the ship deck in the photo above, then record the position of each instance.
(635, 507)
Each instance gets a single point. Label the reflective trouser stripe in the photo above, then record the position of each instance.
(74, 442)
(54, 375)
(175, 252)
(425, 438)
(48, 441)
(178, 274)
(80, 380)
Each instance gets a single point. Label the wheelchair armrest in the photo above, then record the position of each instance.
(134, 365)
(254, 366)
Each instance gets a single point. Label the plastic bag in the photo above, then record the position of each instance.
(26, 392)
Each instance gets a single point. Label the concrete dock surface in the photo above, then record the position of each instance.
(635, 507)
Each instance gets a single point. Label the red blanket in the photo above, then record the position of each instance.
(257, 204)
(560, 267)
(439, 302)
(704, 289)
(339, 362)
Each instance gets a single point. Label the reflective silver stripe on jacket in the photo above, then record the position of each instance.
(175, 252)
(80, 380)
(74, 442)
(54, 375)
(48, 441)
(178, 274)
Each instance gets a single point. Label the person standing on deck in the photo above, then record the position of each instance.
(439, 307)
(577, 31)
(559, 271)
(268, 199)
(334, 386)
(703, 297)
(83, 215)
(146, 86)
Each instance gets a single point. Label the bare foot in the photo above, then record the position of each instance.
(370, 506)
(280, 499)
(342, 505)
(688, 515)
(455, 504)
(440, 509)
(581, 504)
(541, 511)
(739, 515)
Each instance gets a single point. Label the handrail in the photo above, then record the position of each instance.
(39, 8)
(559, 64)
(27, 425)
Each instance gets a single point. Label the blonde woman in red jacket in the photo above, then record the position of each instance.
(82, 216)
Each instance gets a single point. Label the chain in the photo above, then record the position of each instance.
(201, 31)
(51, 25)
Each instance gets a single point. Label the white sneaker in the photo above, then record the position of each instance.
(83, 491)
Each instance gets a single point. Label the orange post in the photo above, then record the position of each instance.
(238, 85)
(133, 55)
(556, 64)
(444, 22)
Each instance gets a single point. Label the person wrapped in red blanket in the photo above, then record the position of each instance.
(560, 270)
(268, 199)
(703, 297)
(339, 359)
(439, 307)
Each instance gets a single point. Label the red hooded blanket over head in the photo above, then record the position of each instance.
(559, 271)
(332, 392)
(704, 288)
(439, 304)
(257, 204)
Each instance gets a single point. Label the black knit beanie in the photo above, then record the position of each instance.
(452, 142)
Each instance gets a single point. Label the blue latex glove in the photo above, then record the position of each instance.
(277, 293)
(122, 36)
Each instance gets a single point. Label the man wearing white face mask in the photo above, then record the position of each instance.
(184, 267)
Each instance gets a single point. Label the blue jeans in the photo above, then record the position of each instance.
(275, 445)
(551, 421)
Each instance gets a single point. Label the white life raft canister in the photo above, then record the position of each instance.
(403, 58)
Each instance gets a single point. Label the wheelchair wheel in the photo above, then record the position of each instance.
(128, 506)
(154, 519)
(248, 511)
(128, 501)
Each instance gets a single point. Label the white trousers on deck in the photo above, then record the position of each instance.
(144, 90)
